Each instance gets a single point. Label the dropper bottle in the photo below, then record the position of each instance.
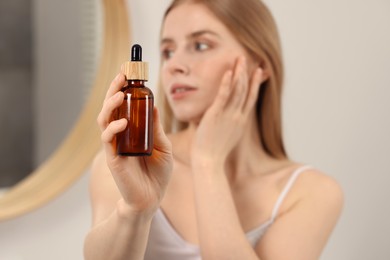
(137, 108)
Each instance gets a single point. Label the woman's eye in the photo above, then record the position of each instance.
(201, 46)
(167, 53)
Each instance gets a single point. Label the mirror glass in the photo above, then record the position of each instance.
(48, 59)
(15, 91)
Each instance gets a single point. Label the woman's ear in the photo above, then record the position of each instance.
(266, 72)
(265, 76)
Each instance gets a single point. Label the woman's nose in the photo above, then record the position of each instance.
(178, 64)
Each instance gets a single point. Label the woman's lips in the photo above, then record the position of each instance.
(180, 91)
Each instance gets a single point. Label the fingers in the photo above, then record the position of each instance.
(112, 129)
(109, 134)
(116, 85)
(244, 91)
(114, 98)
(161, 141)
(240, 85)
(237, 89)
(253, 93)
(224, 92)
(109, 105)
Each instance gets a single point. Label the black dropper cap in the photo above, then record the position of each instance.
(136, 69)
(136, 52)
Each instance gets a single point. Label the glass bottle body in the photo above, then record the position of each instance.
(137, 108)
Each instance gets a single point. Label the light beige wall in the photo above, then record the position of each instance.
(335, 115)
(337, 111)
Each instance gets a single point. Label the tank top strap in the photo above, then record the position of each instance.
(286, 189)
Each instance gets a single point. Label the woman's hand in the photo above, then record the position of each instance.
(222, 125)
(141, 180)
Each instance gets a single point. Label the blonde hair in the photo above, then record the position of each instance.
(251, 22)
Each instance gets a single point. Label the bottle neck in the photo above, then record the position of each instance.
(136, 83)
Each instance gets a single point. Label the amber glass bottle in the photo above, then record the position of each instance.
(137, 108)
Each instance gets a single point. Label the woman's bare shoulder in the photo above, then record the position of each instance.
(316, 181)
(317, 186)
(311, 187)
(307, 218)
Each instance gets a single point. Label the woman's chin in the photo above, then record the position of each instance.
(188, 117)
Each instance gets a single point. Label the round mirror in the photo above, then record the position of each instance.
(76, 151)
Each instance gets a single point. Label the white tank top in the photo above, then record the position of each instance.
(166, 244)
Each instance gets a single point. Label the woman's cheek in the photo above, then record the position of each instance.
(164, 82)
(223, 68)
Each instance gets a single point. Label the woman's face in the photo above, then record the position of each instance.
(197, 49)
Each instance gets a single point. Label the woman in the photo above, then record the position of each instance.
(221, 185)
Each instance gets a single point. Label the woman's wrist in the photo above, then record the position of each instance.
(127, 212)
(207, 156)
(207, 164)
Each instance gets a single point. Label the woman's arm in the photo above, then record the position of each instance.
(125, 191)
(299, 233)
(117, 232)
(220, 233)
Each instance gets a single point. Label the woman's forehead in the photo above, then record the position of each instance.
(189, 18)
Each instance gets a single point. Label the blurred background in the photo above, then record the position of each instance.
(48, 57)
(335, 113)
(16, 90)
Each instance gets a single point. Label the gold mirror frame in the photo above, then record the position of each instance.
(74, 155)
